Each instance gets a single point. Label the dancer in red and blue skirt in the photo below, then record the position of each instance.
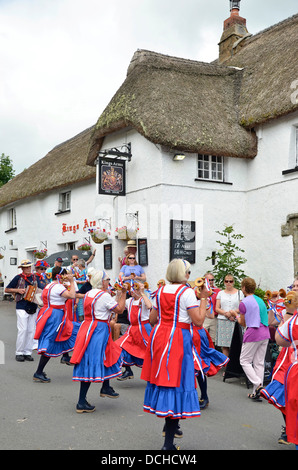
(169, 364)
(55, 332)
(208, 361)
(134, 342)
(96, 357)
(287, 336)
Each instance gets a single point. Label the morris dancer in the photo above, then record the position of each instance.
(96, 357)
(209, 360)
(286, 336)
(134, 342)
(56, 334)
(275, 390)
(169, 364)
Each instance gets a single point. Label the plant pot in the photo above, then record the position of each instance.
(99, 237)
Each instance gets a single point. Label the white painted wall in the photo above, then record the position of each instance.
(256, 203)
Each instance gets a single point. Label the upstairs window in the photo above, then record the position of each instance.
(210, 168)
(11, 219)
(64, 201)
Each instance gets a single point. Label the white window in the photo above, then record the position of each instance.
(64, 201)
(210, 168)
(11, 219)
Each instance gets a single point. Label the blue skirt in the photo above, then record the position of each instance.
(129, 359)
(47, 343)
(213, 360)
(275, 394)
(92, 368)
(176, 402)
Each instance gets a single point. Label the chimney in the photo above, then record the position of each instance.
(233, 34)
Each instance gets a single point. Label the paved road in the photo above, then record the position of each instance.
(37, 416)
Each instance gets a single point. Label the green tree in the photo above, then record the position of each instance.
(6, 169)
(227, 260)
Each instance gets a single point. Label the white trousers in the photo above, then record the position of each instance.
(26, 329)
(252, 360)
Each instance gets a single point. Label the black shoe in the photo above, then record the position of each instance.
(41, 378)
(29, 358)
(86, 408)
(20, 358)
(283, 437)
(66, 360)
(171, 448)
(109, 392)
(126, 375)
(204, 402)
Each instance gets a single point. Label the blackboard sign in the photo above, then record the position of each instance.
(183, 240)
(107, 256)
(143, 252)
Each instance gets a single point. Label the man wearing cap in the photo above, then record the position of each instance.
(25, 310)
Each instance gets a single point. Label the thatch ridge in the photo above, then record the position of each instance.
(182, 104)
(270, 66)
(63, 166)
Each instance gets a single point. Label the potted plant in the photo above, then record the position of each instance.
(40, 254)
(121, 232)
(126, 233)
(85, 247)
(99, 235)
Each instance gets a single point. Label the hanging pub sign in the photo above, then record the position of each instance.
(111, 176)
(183, 240)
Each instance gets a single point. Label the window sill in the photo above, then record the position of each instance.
(212, 181)
(292, 170)
(62, 212)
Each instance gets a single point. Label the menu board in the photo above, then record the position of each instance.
(142, 252)
(183, 240)
(107, 256)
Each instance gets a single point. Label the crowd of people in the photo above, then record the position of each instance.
(179, 335)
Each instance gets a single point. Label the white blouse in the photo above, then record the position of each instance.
(229, 301)
(103, 306)
(55, 293)
(188, 300)
(145, 311)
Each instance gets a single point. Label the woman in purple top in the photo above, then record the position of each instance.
(253, 315)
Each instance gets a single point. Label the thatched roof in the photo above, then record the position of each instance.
(270, 62)
(207, 108)
(63, 166)
(182, 104)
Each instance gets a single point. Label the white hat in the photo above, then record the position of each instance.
(26, 263)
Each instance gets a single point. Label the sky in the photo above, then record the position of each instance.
(61, 61)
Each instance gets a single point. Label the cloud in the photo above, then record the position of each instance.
(63, 60)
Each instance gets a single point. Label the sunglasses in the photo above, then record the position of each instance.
(75, 259)
(131, 257)
(230, 282)
(211, 280)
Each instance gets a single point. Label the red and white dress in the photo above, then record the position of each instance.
(55, 332)
(96, 356)
(289, 331)
(169, 360)
(135, 341)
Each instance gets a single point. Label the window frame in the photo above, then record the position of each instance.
(64, 203)
(208, 166)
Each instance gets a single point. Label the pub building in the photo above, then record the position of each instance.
(182, 149)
